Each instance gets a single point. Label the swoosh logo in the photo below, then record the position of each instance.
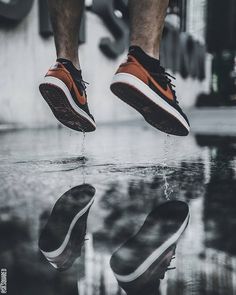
(166, 92)
(81, 98)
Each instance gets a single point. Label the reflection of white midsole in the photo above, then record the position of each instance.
(148, 92)
(57, 252)
(64, 88)
(152, 258)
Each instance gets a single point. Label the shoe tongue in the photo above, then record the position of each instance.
(77, 74)
(150, 63)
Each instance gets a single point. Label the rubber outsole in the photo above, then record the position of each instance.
(73, 249)
(139, 269)
(151, 276)
(152, 113)
(62, 110)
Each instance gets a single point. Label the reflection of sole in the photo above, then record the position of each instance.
(169, 244)
(59, 99)
(146, 280)
(58, 251)
(133, 274)
(155, 110)
(63, 236)
(72, 249)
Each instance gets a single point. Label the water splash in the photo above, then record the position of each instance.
(83, 145)
(167, 189)
(83, 156)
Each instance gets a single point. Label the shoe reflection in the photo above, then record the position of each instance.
(142, 260)
(62, 238)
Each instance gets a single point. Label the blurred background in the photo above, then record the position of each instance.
(132, 166)
(198, 47)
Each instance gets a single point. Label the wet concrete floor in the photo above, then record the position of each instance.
(133, 168)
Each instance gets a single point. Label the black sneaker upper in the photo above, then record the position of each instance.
(79, 82)
(159, 74)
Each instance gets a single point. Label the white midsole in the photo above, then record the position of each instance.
(64, 88)
(147, 91)
(151, 259)
(57, 252)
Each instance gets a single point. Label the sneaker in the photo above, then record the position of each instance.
(143, 259)
(143, 84)
(65, 92)
(62, 238)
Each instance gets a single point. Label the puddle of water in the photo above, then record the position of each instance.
(125, 195)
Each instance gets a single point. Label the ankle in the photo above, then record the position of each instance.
(73, 59)
(150, 63)
(151, 51)
(75, 72)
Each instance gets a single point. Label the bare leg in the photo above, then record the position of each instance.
(146, 24)
(66, 18)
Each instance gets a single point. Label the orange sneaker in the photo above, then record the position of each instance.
(65, 92)
(143, 84)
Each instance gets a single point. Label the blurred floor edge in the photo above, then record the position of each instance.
(221, 120)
